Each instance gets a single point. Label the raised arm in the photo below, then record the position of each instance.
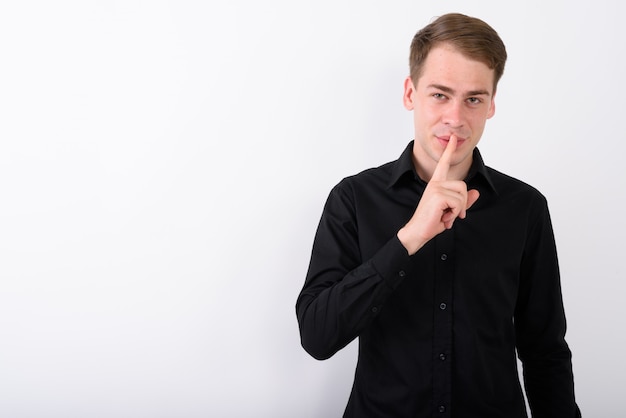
(343, 293)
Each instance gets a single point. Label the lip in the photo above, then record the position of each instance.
(443, 140)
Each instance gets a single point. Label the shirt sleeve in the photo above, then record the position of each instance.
(342, 293)
(540, 324)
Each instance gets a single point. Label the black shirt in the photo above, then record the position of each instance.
(438, 331)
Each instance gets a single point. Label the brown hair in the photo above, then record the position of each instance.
(470, 36)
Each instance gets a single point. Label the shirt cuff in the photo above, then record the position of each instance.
(393, 262)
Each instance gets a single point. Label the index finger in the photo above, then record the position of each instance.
(443, 166)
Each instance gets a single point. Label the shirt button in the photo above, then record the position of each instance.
(375, 309)
(442, 409)
(442, 357)
(401, 273)
(443, 306)
(444, 257)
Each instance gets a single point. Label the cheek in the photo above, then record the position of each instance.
(478, 120)
(426, 114)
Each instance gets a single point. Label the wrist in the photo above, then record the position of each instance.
(411, 242)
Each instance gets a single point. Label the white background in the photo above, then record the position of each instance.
(163, 167)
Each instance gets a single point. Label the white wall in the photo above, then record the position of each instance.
(163, 166)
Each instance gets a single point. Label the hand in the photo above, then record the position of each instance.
(442, 202)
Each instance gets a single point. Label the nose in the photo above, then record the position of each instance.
(453, 114)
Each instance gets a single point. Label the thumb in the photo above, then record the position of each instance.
(472, 197)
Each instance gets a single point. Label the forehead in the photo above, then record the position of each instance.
(446, 66)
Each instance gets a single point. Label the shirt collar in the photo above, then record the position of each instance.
(404, 165)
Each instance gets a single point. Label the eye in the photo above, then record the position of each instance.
(474, 100)
(439, 96)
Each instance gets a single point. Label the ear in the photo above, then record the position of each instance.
(409, 91)
(492, 107)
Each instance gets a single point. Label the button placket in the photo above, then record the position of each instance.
(444, 283)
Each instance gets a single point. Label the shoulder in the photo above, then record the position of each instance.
(352, 191)
(508, 184)
(513, 191)
(381, 178)
(376, 177)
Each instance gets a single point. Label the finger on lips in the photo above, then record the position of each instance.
(443, 166)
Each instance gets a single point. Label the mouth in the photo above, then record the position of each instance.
(444, 139)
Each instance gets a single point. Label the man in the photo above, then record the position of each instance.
(443, 267)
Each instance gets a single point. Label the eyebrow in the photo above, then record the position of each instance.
(448, 90)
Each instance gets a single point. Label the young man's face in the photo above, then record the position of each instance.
(453, 96)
